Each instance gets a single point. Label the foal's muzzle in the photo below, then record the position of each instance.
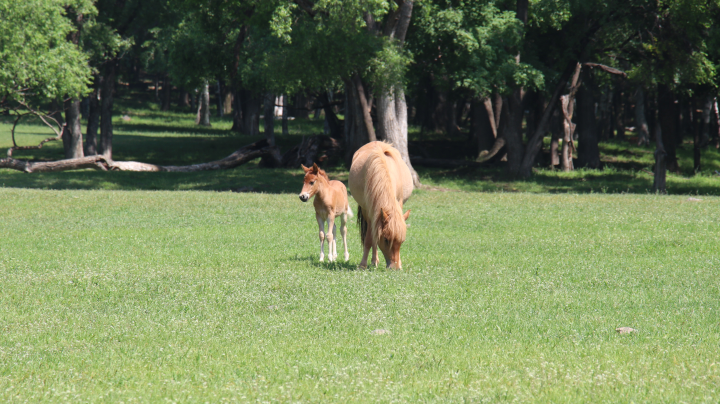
(304, 197)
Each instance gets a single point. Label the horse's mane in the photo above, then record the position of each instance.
(380, 193)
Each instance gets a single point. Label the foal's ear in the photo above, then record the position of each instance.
(315, 168)
(305, 168)
(406, 215)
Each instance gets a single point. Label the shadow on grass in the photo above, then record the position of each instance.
(337, 266)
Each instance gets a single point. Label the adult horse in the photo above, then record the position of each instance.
(380, 183)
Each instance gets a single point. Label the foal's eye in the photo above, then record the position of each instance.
(386, 241)
(312, 182)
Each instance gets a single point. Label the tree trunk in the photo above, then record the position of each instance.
(392, 124)
(220, 99)
(106, 111)
(334, 123)
(668, 116)
(269, 118)
(237, 111)
(569, 130)
(660, 162)
(641, 125)
(356, 124)
(706, 112)
(166, 93)
(228, 100)
(619, 112)
(203, 113)
(251, 113)
(513, 131)
(72, 133)
(535, 142)
(93, 122)
(184, 99)
(588, 150)
(285, 112)
(482, 126)
(556, 133)
(717, 123)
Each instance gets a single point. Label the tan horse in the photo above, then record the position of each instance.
(331, 201)
(380, 183)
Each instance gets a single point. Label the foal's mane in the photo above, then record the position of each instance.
(380, 192)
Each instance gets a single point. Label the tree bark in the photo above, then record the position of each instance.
(166, 93)
(93, 122)
(237, 112)
(513, 131)
(588, 149)
(285, 115)
(706, 112)
(641, 125)
(72, 133)
(667, 116)
(269, 117)
(619, 112)
(251, 113)
(660, 174)
(106, 111)
(482, 125)
(203, 113)
(334, 123)
(392, 107)
(717, 123)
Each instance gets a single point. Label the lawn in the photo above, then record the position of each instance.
(154, 287)
(138, 296)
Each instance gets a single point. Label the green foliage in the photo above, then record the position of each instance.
(473, 45)
(35, 55)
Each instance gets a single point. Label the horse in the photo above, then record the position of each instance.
(380, 183)
(330, 201)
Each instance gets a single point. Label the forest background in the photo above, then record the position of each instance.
(513, 88)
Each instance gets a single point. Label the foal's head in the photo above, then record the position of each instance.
(311, 186)
(391, 235)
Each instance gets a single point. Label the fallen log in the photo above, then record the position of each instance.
(237, 158)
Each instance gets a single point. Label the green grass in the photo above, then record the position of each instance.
(145, 287)
(116, 296)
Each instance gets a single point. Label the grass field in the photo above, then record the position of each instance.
(156, 287)
(205, 296)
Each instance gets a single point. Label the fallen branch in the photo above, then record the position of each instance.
(237, 158)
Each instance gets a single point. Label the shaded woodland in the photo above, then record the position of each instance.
(523, 84)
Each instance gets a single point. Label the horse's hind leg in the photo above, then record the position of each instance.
(343, 233)
(375, 259)
(321, 225)
(367, 244)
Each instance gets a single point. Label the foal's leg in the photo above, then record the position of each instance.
(343, 233)
(321, 225)
(330, 237)
(334, 235)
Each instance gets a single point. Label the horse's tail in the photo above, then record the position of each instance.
(362, 224)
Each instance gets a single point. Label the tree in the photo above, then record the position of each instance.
(41, 61)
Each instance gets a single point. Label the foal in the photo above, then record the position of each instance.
(330, 202)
